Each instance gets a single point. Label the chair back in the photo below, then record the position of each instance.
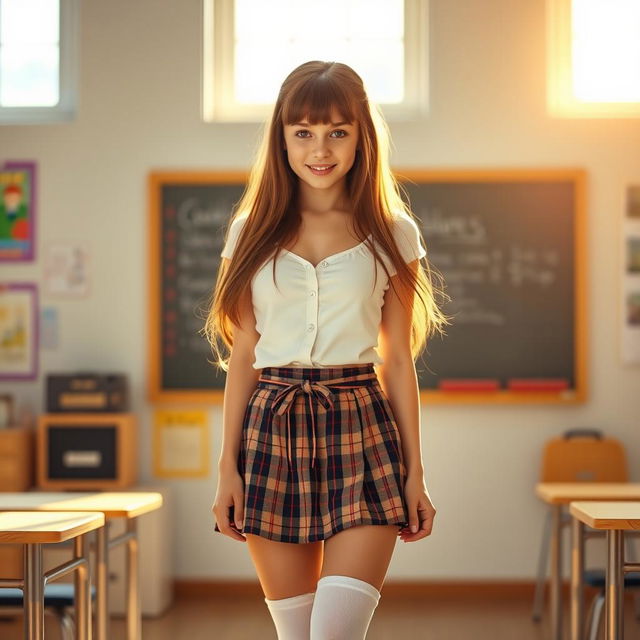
(584, 455)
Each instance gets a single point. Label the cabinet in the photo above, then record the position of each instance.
(16, 459)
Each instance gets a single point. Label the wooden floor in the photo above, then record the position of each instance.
(247, 618)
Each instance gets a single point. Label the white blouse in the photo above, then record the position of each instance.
(328, 315)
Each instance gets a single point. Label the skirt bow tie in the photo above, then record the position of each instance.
(285, 400)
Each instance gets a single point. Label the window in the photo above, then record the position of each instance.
(593, 58)
(250, 46)
(37, 60)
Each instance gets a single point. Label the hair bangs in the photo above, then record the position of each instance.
(315, 100)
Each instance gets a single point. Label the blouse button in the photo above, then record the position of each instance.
(324, 263)
(312, 293)
(311, 327)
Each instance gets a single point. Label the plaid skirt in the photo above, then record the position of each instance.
(320, 452)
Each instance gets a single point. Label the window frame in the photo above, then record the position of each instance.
(218, 66)
(561, 102)
(65, 109)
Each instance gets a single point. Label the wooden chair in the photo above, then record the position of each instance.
(579, 455)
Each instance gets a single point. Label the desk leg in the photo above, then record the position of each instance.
(556, 572)
(577, 586)
(33, 596)
(134, 621)
(102, 582)
(615, 585)
(82, 589)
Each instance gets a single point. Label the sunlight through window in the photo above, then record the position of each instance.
(29, 53)
(593, 58)
(365, 34)
(250, 46)
(606, 50)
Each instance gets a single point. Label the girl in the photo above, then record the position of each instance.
(321, 464)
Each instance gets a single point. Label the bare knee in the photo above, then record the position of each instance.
(285, 569)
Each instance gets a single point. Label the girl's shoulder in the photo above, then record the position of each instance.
(233, 233)
(403, 221)
(238, 222)
(407, 235)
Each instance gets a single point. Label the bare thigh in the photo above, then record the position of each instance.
(285, 569)
(362, 552)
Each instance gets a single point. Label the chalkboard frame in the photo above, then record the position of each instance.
(159, 179)
(156, 181)
(578, 178)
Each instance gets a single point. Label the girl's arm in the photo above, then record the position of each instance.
(241, 382)
(397, 375)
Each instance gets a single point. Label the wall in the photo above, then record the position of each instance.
(139, 110)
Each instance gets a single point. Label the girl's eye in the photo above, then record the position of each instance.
(341, 131)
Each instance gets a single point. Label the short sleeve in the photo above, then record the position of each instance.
(232, 237)
(406, 233)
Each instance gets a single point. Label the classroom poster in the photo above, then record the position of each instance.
(18, 331)
(630, 303)
(67, 270)
(17, 211)
(181, 444)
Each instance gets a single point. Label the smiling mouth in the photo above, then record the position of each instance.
(321, 170)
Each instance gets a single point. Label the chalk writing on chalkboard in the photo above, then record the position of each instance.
(509, 244)
(506, 246)
(189, 215)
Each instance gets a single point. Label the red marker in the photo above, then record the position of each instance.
(538, 384)
(469, 384)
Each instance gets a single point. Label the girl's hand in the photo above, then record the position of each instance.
(228, 505)
(421, 511)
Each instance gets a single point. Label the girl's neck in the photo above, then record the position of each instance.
(312, 201)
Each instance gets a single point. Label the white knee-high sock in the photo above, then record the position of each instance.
(291, 616)
(343, 608)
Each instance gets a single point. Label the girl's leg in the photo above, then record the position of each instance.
(285, 569)
(355, 565)
(288, 574)
(362, 552)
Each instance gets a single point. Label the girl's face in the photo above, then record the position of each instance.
(321, 154)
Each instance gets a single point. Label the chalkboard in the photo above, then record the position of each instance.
(509, 244)
(188, 216)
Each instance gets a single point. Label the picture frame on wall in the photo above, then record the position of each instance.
(17, 211)
(630, 279)
(19, 327)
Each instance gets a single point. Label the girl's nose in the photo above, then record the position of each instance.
(321, 149)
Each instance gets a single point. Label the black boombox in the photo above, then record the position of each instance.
(87, 393)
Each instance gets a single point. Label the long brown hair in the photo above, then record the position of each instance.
(311, 91)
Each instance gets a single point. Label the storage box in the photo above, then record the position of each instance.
(87, 451)
(87, 392)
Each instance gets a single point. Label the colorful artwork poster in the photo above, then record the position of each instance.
(17, 211)
(18, 331)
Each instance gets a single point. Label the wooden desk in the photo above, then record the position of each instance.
(128, 505)
(33, 529)
(614, 518)
(556, 495)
